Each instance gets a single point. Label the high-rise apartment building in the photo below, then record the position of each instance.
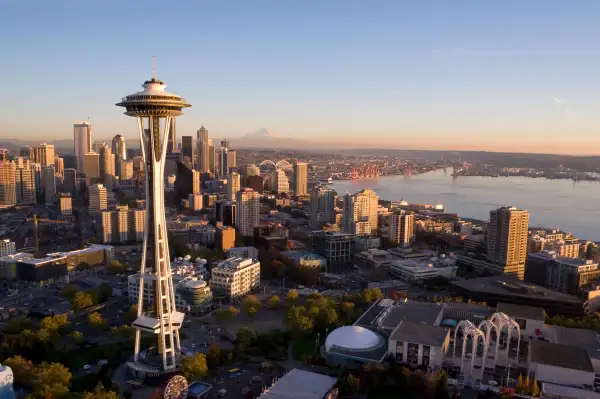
(36, 172)
(202, 151)
(107, 164)
(59, 166)
(7, 247)
(49, 184)
(248, 208)
(233, 185)
(196, 182)
(224, 212)
(44, 154)
(82, 138)
(231, 159)
(224, 238)
(70, 182)
(322, 207)
(401, 227)
(119, 151)
(187, 147)
(8, 183)
(66, 204)
(358, 209)
(280, 181)
(97, 199)
(300, 178)
(507, 239)
(91, 167)
(212, 157)
(126, 168)
(25, 181)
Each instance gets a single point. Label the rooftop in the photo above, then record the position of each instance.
(558, 355)
(521, 311)
(587, 339)
(300, 384)
(511, 286)
(424, 334)
(235, 263)
(388, 314)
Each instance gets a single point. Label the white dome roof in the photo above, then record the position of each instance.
(354, 338)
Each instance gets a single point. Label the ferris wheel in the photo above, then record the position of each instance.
(177, 388)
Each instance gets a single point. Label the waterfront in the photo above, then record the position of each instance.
(574, 207)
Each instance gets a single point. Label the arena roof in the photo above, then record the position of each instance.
(300, 384)
(353, 338)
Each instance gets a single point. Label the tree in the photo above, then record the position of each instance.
(292, 297)
(251, 304)
(115, 267)
(244, 339)
(535, 389)
(23, 370)
(233, 311)
(274, 302)
(55, 323)
(17, 325)
(96, 320)
(519, 384)
(131, 314)
(353, 384)
(82, 300)
(526, 384)
(348, 310)
(213, 356)
(104, 292)
(371, 294)
(277, 269)
(194, 367)
(69, 291)
(77, 337)
(100, 393)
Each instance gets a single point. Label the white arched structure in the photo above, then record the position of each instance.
(501, 321)
(487, 326)
(468, 329)
(283, 164)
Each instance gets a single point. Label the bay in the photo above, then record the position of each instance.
(570, 206)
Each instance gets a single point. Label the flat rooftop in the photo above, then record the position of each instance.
(558, 355)
(395, 312)
(521, 311)
(299, 384)
(420, 333)
(234, 264)
(587, 339)
(511, 286)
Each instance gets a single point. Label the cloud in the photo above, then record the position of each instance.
(557, 100)
(565, 107)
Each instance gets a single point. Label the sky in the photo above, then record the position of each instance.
(496, 75)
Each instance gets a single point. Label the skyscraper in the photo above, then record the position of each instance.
(231, 159)
(300, 178)
(66, 204)
(233, 185)
(119, 151)
(126, 167)
(59, 166)
(281, 183)
(49, 184)
(360, 209)
(25, 180)
(98, 200)
(8, 184)
(212, 157)
(44, 154)
(196, 182)
(322, 207)
(106, 164)
(187, 147)
(91, 167)
(401, 227)
(172, 142)
(82, 138)
(202, 152)
(154, 109)
(507, 239)
(224, 159)
(248, 207)
(70, 182)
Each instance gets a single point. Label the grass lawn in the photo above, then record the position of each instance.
(304, 347)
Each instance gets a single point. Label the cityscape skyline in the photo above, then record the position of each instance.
(412, 76)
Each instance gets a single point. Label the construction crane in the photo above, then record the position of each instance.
(36, 221)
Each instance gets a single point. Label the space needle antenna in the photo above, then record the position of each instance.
(153, 67)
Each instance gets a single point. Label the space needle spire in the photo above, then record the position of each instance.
(155, 110)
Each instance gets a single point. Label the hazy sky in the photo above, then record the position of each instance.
(516, 75)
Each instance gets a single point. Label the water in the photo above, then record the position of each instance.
(573, 207)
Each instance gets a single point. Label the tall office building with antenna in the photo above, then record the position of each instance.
(155, 111)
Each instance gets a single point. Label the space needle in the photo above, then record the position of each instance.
(155, 110)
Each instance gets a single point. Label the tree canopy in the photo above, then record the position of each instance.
(194, 367)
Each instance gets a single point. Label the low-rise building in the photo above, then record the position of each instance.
(366, 242)
(235, 277)
(7, 247)
(562, 273)
(305, 384)
(337, 248)
(416, 271)
(305, 259)
(243, 252)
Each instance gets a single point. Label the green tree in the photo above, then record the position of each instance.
(100, 393)
(519, 384)
(233, 311)
(82, 300)
(194, 367)
(371, 294)
(131, 314)
(105, 291)
(274, 302)
(77, 337)
(55, 323)
(51, 380)
(69, 291)
(251, 304)
(17, 325)
(353, 384)
(292, 297)
(245, 339)
(23, 370)
(96, 320)
(535, 389)
(115, 267)
(213, 356)
(348, 310)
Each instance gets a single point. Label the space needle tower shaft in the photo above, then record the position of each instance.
(155, 110)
